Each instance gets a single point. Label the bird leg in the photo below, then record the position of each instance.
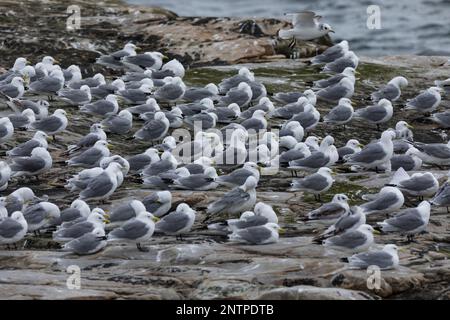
(54, 138)
(448, 211)
(142, 249)
(378, 127)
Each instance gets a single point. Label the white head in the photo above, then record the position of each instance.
(164, 196)
(339, 197)
(160, 116)
(119, 84)
(184, 208)
(40, 152)
(250, 183)
(325, 171)
(126, 115)
(211, 172)
(207, 102)
(325, 28)
(17, 81)
(60, 113)
(246, 73)
(265, 210)
(211, 87)
(19, 64)
(353, 143)
(399, 81)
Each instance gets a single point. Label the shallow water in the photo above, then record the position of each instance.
(407, 26)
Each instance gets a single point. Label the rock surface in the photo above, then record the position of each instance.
(205, 266)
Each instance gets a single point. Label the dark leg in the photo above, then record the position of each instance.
(54, 138)
(448, 211)
(378, 127)
(142, 249)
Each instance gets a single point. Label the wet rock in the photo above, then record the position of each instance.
(313, 293)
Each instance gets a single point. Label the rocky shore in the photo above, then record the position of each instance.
(204, 265)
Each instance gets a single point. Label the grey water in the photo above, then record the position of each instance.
(406, 26)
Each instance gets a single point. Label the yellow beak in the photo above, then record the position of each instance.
(281, 230)
(376, 232)
(155, 219)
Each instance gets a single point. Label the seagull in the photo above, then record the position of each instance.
(227, 114)
(5, 175)
(172, 91)
(53, 124)
(39, 107)
(120, 123)
(420, 184)
(343, 89)
(50, 84)
(244, 75)
(96, 219)
(158, 203)
(150, 105)
(22, 120)
(113, 60)
(351, 147)
(348, 72)
(317, 183)
(13, 90)
(177, 222)
(309, 118)
(348, 222)
(136, 96)
(19, 199)
(76, 97)
(291, 97)
(40, 215)
(317, 159)
(236, 201)
(166, 163)
(385, 259)
(196, 94)
(95, 134)
(292, 128)
(338, 66)
(332, 53)
(6, 129)
(441, 118)
(190, 109)
(19, 64)
(306, 26)
(91, 157)
(264, 104)
(140, 62)
(340, 114)
(241, 95)
(391, 91)
(257, 122)
(136, 230)
(104, 107)
(410, 161)
(89, 243)
(331, 210)
(173, 68)
(265, 234)
(427, 101)
(298, 152)
(239, 176)
(355, 241)
(140, 161)
(291, 109)
(13, 229)
(78, 210)
(408, 221)
(202, 121)
(124, 212)
(376, 114)
(102, 186)
(374, 154)
(200, 181)
(38, 162)
(434, 153)
(155, 129)
(388, 200)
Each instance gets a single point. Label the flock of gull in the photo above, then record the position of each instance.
(226, 119)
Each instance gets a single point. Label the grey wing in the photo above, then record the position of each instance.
(417, 183)
(372, 113)
(343, 151)
(9, 90)
(152, 130)
(375, 258)
(252, 123)
(34, 214)
(332, 93)
(370, 153)
(142, 60)
(381, 202)
(348, 240)
(173, 222)
(88, 140)
(30, 164)
(118, 124)
(131, 230)
(9, 228)
(84, 244)
(100, 107)
(138, 162)
(423, 100)
(324, 83)
(252, 221)
(305, 19)
(410, 219)
(49, 124)
(235, 96)
(328, 210)
(339, 114)
(255, 235)
(404, 161)
(158, 168)
(47, 84)
(70, 214)
(119, 54)
(340, 64)
(3, 131)
(313, 182)
(197, 94)
(97, 187)
(88, 157)
(122, 213)
(389, 92)
(75, 231)
(195, 181)
(169, 92)
(346, 222)
(436, 150)
(133, 94)
(235, 197)
(315, 160)
(442, 195)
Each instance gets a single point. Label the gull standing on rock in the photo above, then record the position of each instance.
(332, 53)
(120, 123)
(38, 162)
(331, 210)
(155, 129)
(196, 94)
(140, 161)
(76, 97)
(104, 107)
(140, 62)
(177, 222)
(13, 90)
(22, 120)
(241, 95)
(172, 91)
(351, 147)
(95, 134)
(5, 175)
(91, 157)
(67, 232)
(385, 259)
(388, 200)
(78, 210)
(137, 230)
(343, 89)
(309, 118)
(13, 229)
(409, 161)
(317, 183)
(89, 243)
(39, 215)
(340, 114)
(355, 241)
(317, 159)
(236, 201)
(258, 235)
(348, 72)
(113, 60)
(374, 154)
(434, 153)
(338, 66)
(53, 124)
(124, 212)
(19, 199)
(244, 75)
(410, 221)
(391, 91)
(426, 102)
(158, 203)
(6, 129)
(376, 114)
(102, 186)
